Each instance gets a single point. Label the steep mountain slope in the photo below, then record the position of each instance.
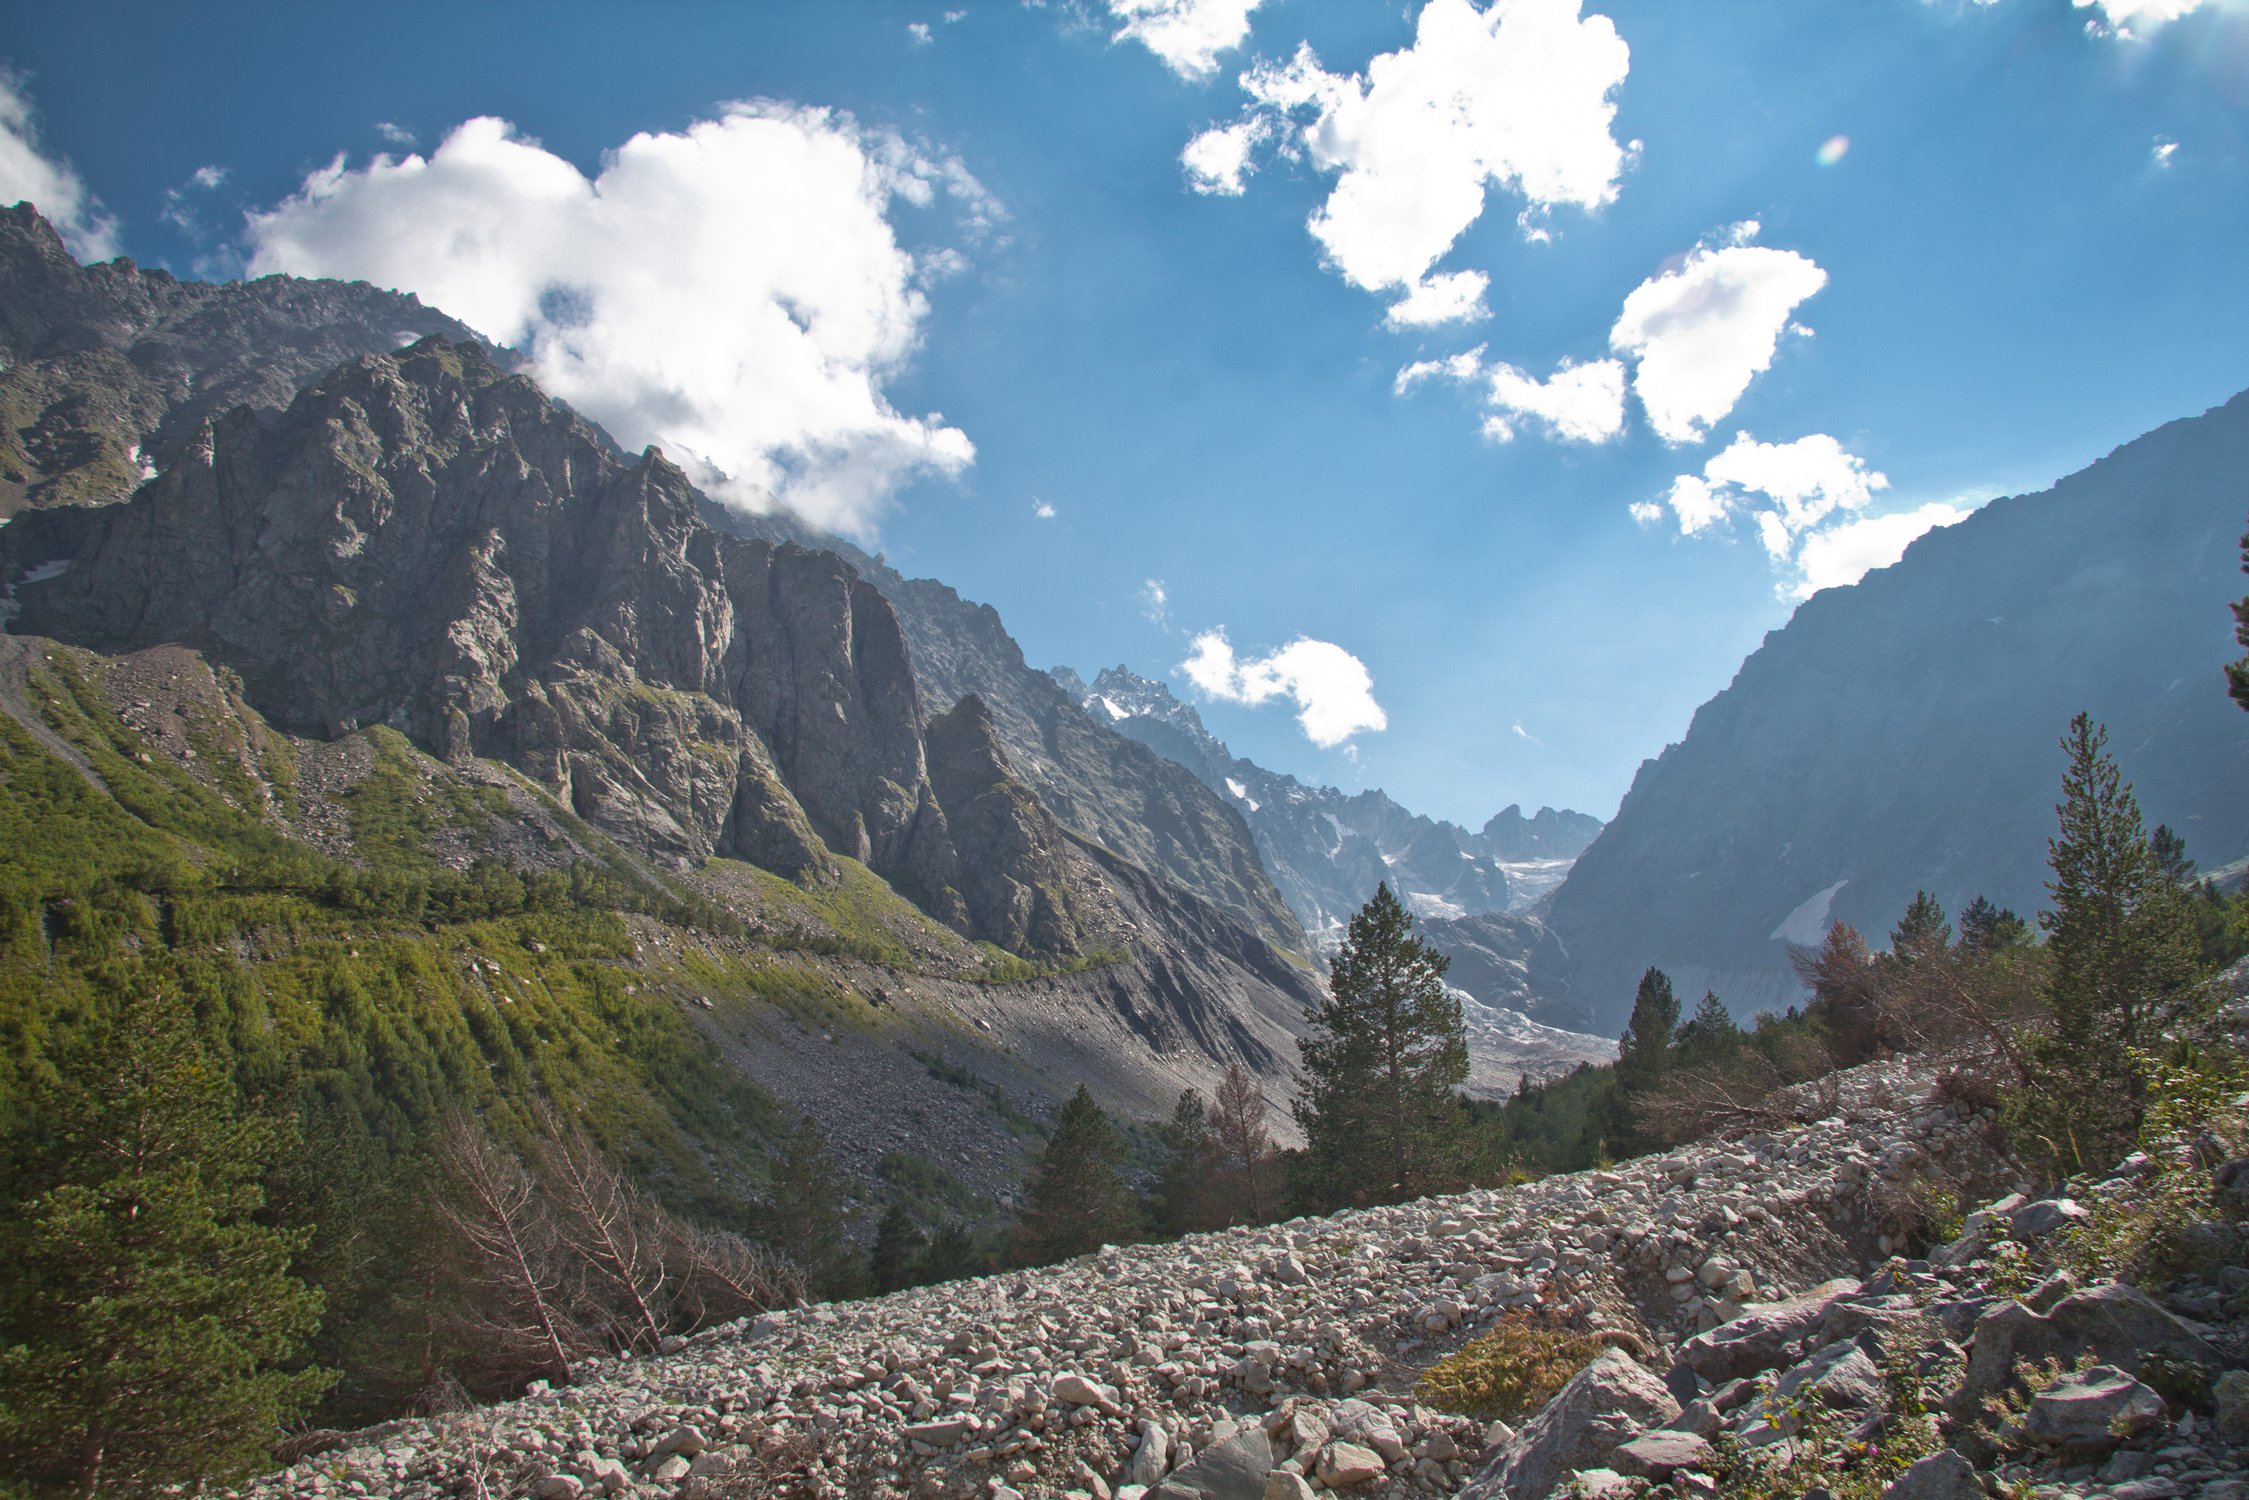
(1900, 734)
(108, 369)
(1100, 785)
(1328, 849)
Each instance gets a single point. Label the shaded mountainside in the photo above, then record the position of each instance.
(424, 541)
(1328, 849)
(1900, 734)
(108, 370)
(1099, 784)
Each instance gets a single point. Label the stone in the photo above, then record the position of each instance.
(1654, 1455)
(1077, 1390)
(2092, 1412)
(1943, 1475)
(1343, 1464)
(938, 1434)
(2231, 1395)
(1609, 1402)
(2119, 1324)
(1764, 1337)
(1234, 1469)
(559, 1487)
(686, 1440)
(1840, 1376)
(1282, 1485)
(2035, 1221)
(1152, 1457)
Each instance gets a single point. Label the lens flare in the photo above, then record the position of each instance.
(1832, 150)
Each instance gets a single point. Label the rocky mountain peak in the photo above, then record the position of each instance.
(108, 371)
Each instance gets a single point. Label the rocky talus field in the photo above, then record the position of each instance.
(1739, 1297)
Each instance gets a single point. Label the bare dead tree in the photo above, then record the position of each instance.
(499, 1222)
(1243, 1147)
(613, 1231)
(721, 1276)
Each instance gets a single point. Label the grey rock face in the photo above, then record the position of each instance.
(1328, 849)
(424, 541)
(104, 368)
(1899, 734)
(2092, 1412)
(1233, 1470)
(2120, 1324)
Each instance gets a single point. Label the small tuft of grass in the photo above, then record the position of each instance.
(1510, 1371)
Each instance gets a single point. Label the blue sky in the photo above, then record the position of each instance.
(937, 274)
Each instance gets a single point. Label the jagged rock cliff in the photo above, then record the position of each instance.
(1900, 734)
(425, 541)
(107, 370)
(1328, 849)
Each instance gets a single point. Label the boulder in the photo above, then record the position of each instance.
(2092, 1412)
(1765, 1337)
(1343, 1464)
(1151, 1458)
(2119, 1324)
(1943, 1475)
(1654, 1455)
(1606, 1404)
(2232, 1398)
(1235, 1469)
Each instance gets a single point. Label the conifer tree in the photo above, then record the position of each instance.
(149, 1316)
(1385, 1053)
(1644, 1051)
(1076, 1200)
(1181, 1199)
(1922, 932)
(2237, 672)
(899, 1246)
(952, 1254)
(1986, 928)
(1710, 1034)
(2124, 953)
(804, 1211)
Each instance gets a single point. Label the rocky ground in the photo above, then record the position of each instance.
(1725, 1279)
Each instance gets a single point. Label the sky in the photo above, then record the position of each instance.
(1442, 396)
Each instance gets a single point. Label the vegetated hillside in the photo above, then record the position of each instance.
(1900, 734)
(1328, 849)
(108, 370)
(1100, 785)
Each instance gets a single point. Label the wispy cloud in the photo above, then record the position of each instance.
(1041, 510)
(1188, 35)
(30, 173)
(1155, 603)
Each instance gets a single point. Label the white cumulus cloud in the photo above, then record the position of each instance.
(1515, 97)
(1847, 552)
(1582, 403)
(29, 174)
(1448, 297)
(1042, 510)
(1807, 501)
(2138, 17)
(1703, 330)
(1332, 689)
(1188, 35)
(1219, 161)
(919, 34)
(734, 292)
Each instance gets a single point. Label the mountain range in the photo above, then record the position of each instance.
(1328, 849)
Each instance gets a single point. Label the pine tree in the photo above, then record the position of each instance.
(896, 1259)
(149, 1314)
(1986, 928)
(2237, 672)
(1922, 932)
(1644, 1051)
(952, 1254)
(1386, 1051)
(1710, 1035)
(1076, 1200)
(804, 1211)
(2124, 952)
(1181, 1199)
(2170, 853)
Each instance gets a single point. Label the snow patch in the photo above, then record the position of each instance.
(1429, 904)
(1807, 925)
(1241, 793)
